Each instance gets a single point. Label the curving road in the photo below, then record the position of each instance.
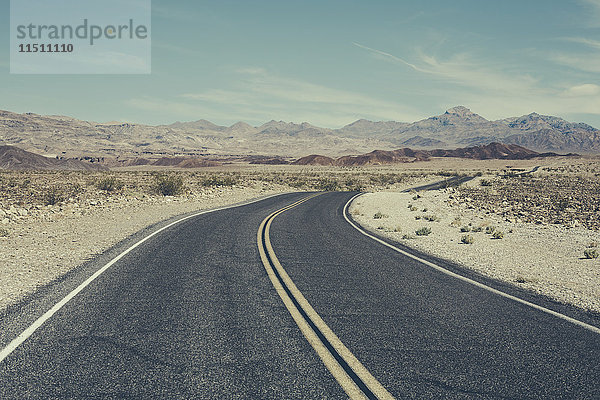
(196, 312)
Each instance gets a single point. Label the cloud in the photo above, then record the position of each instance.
(461, 69)
(581, 62)
(587, 89)
(588, 42)
(390, 57)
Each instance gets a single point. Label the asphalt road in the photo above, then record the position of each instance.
(192, 313)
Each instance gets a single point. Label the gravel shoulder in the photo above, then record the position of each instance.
(544, 258)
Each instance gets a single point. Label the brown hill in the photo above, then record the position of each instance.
(15, 158)
(489, 152)
(314, 159)
(379, 157)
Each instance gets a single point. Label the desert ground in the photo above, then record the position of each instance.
(51, 222)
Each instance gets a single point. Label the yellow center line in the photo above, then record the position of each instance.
(330, 350)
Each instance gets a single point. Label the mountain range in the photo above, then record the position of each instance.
(458, 127)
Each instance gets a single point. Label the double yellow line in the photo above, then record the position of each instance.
(357, 382)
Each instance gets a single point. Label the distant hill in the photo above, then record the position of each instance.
(314, 159)
(68, 137)
(14, 158)
(381, 157)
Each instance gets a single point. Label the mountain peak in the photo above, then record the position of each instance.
(460, 111)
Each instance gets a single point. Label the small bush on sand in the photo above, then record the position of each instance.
(467, 239)
(379, 215)
(4, 232)
(109, 184)
(490, 230)
(465, 229)
(424, 231)
(591, 253)
(53, 195)
(498, 235)
(169, 185)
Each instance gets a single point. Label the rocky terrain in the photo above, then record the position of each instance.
(458, 127)
(542, 198)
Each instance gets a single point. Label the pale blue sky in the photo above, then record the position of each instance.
(332, 62)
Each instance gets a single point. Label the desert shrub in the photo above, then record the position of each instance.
(406, 237)
(562, 204)
(53, 195)
(465, 229)
(490, 230)
(379, 215)
(467, 239)
(590, 253)
(498, 235)
(215, 180)
(456, 222)
(424, 210)
(4, 232)
(297, 183)
(354, 185)
(412, 208)
(109, 184)
(169, 185)
(485, 182)
(418, 217)
(327, 185)
(424, 231)
(431, 218)
(477, 229)
(398, 229)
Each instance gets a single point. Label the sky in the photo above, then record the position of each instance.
(331, 62)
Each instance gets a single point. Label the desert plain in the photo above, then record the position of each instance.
(531, 223)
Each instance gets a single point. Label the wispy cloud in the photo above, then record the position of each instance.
(588, 42)
(390, 57)
(462, 70)
(587, 89)
(579, 61)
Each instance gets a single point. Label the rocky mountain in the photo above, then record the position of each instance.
(14, 158)
(382, 157)
(458, 127)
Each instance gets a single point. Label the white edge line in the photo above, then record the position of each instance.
(465, 279)
(16, 342)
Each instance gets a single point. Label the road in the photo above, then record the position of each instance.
(195, 312)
